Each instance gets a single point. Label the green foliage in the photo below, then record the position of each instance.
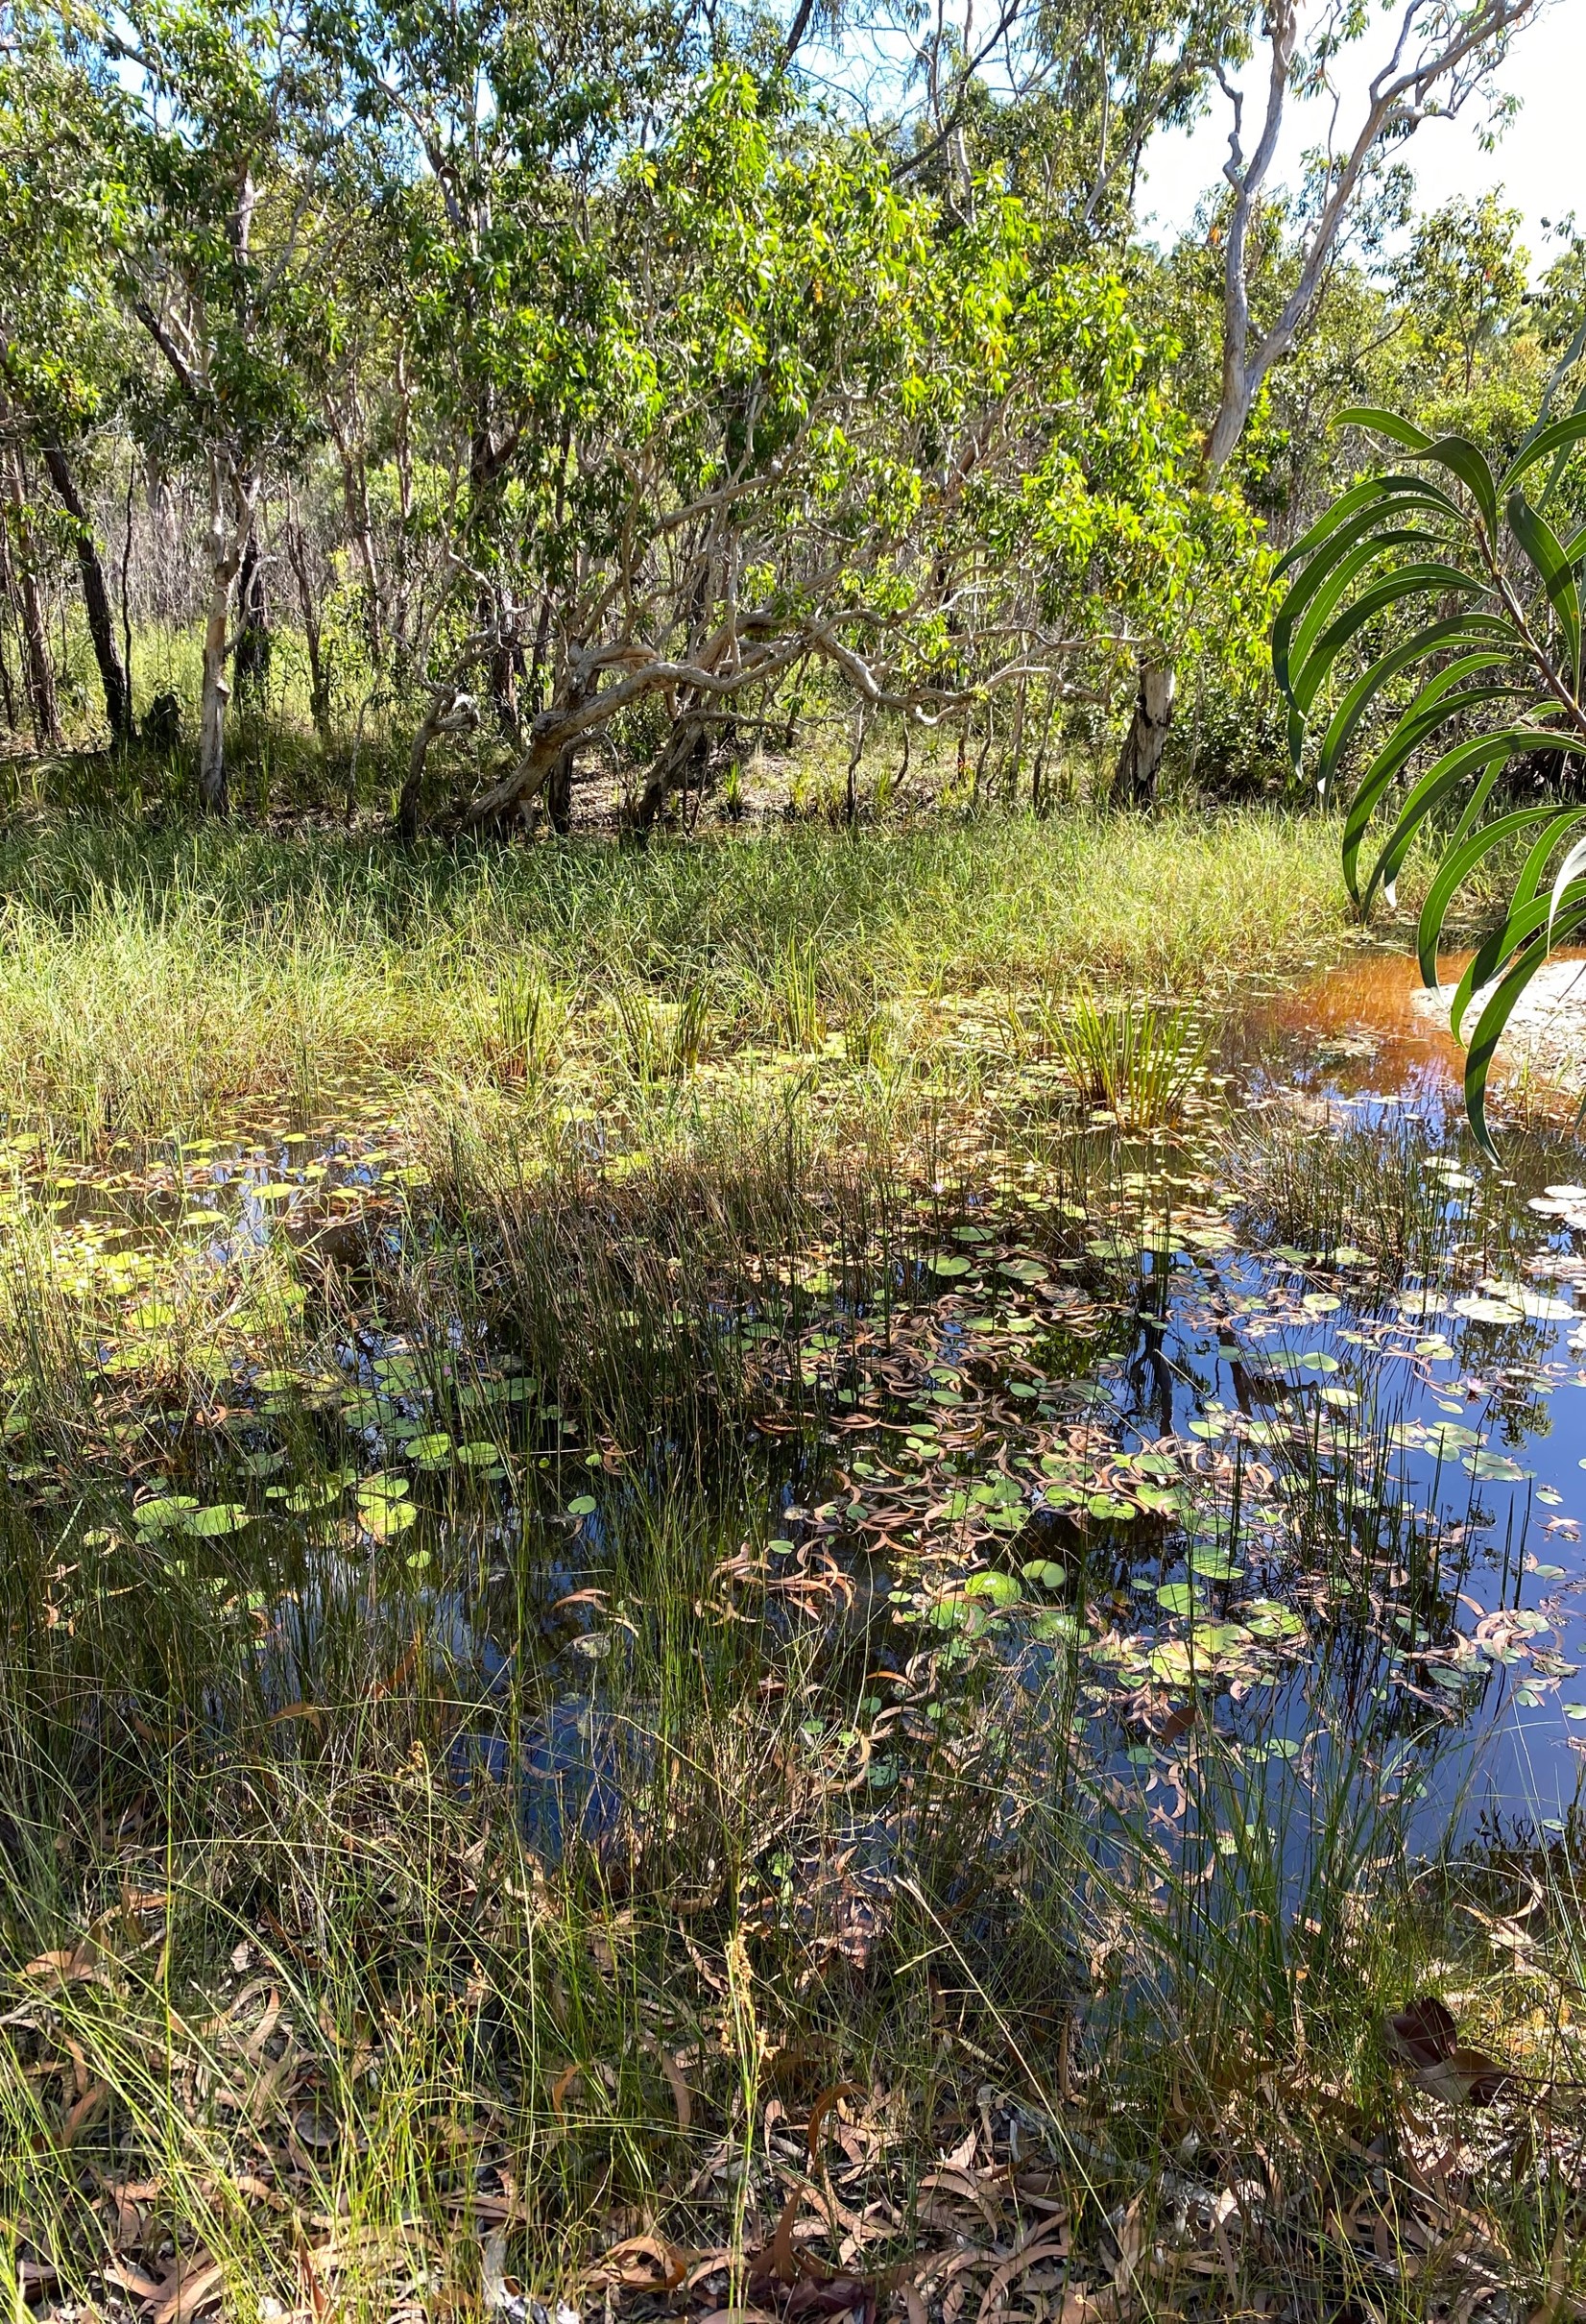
(1488, 568)
(1136, 1058)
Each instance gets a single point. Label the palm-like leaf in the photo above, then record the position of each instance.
(1495, 588)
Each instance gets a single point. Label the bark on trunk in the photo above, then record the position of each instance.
(36, 647)
(251, 656)
(450, 711)
(227, 536)
(1139, 762)
(217, 693)
(96, 596)
(685, 746)
(309, 613)
(559, 793)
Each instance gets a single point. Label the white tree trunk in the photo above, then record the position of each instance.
(228, 529)
(1139, 762)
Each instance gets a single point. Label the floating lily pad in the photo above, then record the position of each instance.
(1496, 1469)
(1480, 1308)
(1176, 1597)
(211, 1524)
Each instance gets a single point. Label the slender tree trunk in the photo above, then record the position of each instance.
(227, 532)
(684, 746)
(126, 598)
(308, 611)
(360, 521)
(251, 655)
(450, 711)
(558, 794)
(36, 647)
(7, 694)
(1139, 762)
(96, 596)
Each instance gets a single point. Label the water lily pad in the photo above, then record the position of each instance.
(1444, 1437)
(1480, 1308)
(1496, 1469)
(1213, 1638)
(168, 1510)
(385, 1518)
(999, 1589)
(1176, 1597)
(948, 1263)
(1045, 1573)
(211, 1524)
(1267, 1619)
(582, 1507)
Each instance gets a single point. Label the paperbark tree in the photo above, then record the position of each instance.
(898, 447)
(38, 667)
(96, 592)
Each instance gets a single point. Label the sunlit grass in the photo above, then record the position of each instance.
(155, 982)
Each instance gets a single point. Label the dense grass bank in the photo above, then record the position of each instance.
(153, 980)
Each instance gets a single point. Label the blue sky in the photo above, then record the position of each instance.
(1540, 161)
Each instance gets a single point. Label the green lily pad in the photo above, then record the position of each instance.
(1496, 1469)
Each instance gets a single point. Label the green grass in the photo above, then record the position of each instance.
(157, 981)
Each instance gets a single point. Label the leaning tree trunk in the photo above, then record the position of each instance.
(36, 646)
(1139, 762)
(96, 596)
(227, 536)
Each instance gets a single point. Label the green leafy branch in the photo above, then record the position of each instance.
(1494, 658)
